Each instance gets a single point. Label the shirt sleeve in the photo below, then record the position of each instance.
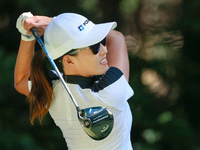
(29, 85)
(113, 88)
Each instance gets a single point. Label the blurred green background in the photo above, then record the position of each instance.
(163, 42)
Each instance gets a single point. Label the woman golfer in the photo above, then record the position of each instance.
(94, 61)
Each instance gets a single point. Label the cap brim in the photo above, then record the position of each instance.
(96, 34)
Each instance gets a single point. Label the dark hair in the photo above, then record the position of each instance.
(41, 92)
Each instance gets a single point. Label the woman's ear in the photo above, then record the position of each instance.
(68, 59)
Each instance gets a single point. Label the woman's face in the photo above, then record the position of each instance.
(87, 64)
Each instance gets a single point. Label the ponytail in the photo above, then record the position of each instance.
(41, 92)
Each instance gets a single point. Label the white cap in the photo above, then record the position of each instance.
(70, 31)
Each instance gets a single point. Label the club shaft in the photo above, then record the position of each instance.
(39, 40)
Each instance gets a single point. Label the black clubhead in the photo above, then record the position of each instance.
(96, 121)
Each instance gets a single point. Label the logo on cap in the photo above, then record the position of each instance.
(81, 28)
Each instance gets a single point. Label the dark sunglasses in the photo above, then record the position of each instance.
(96, 47)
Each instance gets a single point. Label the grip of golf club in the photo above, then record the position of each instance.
(35, 33)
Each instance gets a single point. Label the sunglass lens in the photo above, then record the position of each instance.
(103, 42)
(96, 47)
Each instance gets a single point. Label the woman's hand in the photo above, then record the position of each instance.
(39, 22)
(26, 21)
(20, 26)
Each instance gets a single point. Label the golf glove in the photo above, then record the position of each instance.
(20, 26)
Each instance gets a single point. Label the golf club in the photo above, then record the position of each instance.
(97, 122)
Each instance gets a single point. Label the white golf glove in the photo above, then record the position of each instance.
(20, 26)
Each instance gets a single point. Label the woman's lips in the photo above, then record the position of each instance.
(104, 61)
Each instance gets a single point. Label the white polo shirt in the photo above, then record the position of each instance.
(111, 91)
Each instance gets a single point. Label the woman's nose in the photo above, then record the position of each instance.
(103, 49)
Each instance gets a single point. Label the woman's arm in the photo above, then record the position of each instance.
(22, 66)
(117, 52)
(26, 53)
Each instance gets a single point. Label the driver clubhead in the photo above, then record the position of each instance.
(96, 121)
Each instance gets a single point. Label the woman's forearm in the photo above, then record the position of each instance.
(22, 66)
(117, 55)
